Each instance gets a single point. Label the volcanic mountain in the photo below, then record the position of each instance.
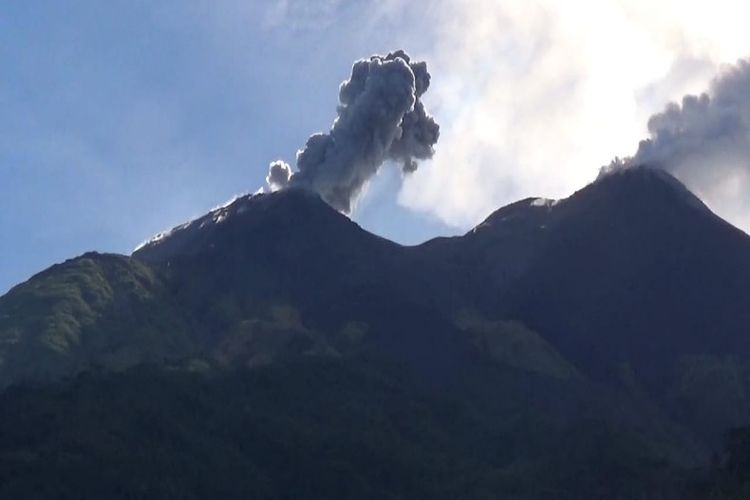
(624, 304)
(631, 269)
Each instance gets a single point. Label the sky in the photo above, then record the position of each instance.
(120, 119)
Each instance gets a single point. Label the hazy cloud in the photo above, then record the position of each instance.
(705, 141)
(535, 96)
(300, 14)
(279, 173)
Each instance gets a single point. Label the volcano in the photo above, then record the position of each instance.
(618, 315)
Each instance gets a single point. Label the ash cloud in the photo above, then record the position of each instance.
(705, 142)
(380, 117)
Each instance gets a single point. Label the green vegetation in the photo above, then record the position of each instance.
(286, 353)
(713, 392)
(314, 428)
(196, 395)
(102, 310)
(256, 342)
(510, 342)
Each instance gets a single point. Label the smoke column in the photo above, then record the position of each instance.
(705, 142)
(380, 117)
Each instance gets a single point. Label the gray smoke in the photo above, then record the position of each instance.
(380, 117)
(705, 142)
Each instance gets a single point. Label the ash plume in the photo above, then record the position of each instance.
(705, 142)
(380, 117)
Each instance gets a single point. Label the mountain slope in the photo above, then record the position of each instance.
(635, 281)
(630, 278)
(291, 244)
(289, 249)
(635, 269)
(105, 310)
(310, 429)
(622, 307)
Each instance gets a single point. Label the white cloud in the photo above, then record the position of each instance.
(534, 96)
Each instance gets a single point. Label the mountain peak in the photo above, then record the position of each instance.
(247, 214)
(624, 186)
(524, 210)
(644, 179)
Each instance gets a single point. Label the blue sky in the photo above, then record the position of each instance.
(123, 118)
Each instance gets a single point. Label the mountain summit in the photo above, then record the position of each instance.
(257, 218)
(635, 269)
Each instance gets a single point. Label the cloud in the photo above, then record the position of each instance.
(534, 97)
(300, 14)
(705, 141)
(279, 173)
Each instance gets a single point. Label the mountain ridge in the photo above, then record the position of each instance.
(291, 247)
(628, 298)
